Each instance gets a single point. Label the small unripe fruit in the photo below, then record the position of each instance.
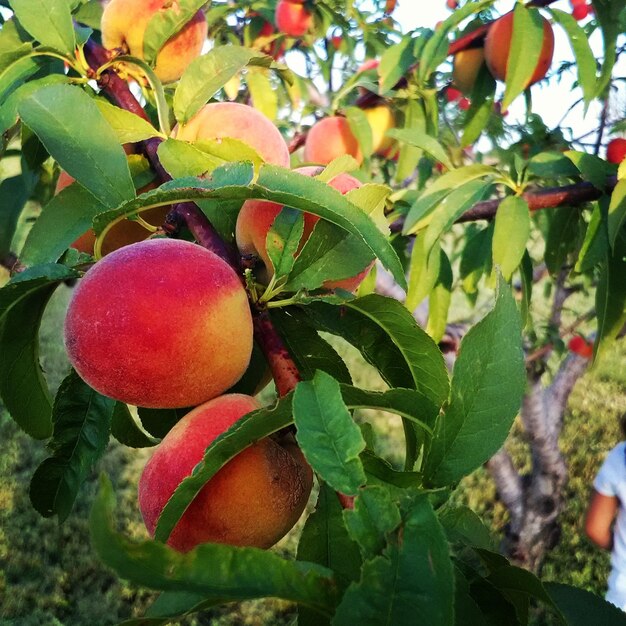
(581, 11)
(124, 23)
(452, 94)
(579, 345)
(616, 150)
(464, 104)
(160, 324)
(254, 500)
(498, 46)
(452, 4)
(292, 18)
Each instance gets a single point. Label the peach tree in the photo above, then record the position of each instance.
(217, 212)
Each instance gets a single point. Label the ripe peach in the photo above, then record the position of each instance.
(466, 66)
(292, 18)
(123, 26)
(330, 138)
(381, 119)
(257, 216)
(238, 121)
(160, 324)
(254, 500)
(616, 150)
(123, 233)
(498, 46)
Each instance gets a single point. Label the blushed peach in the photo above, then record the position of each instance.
(330, 138)
(124, 23)
(160, 324)
(237, 121)
(254, 500)
(466, 66)
(293, 18)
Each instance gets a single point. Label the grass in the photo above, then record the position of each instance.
(49, 574)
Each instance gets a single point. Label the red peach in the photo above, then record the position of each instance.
(579, 345)
(160, 324)
(616, 150)
(254, 500)
(498, 46)
(124, 23)
(238, 121)
(330, 138)
(292, 18)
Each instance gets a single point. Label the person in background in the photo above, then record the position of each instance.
(605, 521)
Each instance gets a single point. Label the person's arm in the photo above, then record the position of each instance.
(599, 519)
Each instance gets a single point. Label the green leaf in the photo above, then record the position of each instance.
(593, 168)
(308, 350)
(23, 387)
(424, 269)
(414, 119)
(581, 607)
(524, 53)
(128, 127)
(585, 58)
(487, 389)
(182, 159)
(565, 229)
(14, 193)
(159, 422)
(65, 218)
(15, 43)
(219, 572)
(462, 525)
(395, 62)
(263, 94)
(510, 236)
(439, 300)
(411, 584)
(617, 211)
(611, 296)
(608, 15)
(476, 259)
(82, 419)
(283, 240)
(552, 165)
(390, 339)
(244, 432)
(165, 23)
(326, 541)
(56, 30)
(84, 144)
(374, 516)
(481, 107)
(419, 213)
(420, 139)
(209, 73)
(127, 431)
(361, 129)
(452, 207)
(328, 437)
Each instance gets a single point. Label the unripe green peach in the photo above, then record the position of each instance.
(237, 121)
(160, 324)
(124, 24)
(254, 500)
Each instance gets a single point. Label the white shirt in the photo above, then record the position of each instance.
(611, 481)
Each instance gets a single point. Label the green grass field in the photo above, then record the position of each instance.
(49, 574)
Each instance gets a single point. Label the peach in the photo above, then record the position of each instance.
(257, 216)
(381, 119)
(616, 150)
(498, 46)
(238, 121)
(275, 48)
(293, 18)
(160, 324)
(467, 64)
(123, 26)
(330, 138)
(254, 500)
(123, 233)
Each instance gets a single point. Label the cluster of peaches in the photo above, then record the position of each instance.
(149, 325)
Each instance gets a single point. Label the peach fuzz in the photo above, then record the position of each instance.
(466, 66)
(123, 233)
(257, 216)
(159, 324)
(330, 138)
(498, 46)
(124, 23)
(238, 121)
(254, 500)
(292, 18)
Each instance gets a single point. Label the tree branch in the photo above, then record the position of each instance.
(508, 484)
